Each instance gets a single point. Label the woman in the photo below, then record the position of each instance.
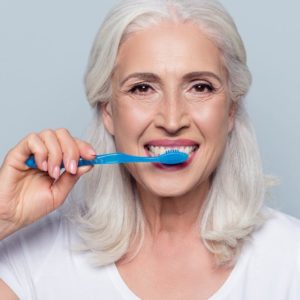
(162, 74)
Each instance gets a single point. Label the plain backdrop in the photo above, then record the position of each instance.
(44, 46)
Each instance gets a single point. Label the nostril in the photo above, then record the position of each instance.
(172, 119)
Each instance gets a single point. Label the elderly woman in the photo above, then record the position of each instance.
(162, 75)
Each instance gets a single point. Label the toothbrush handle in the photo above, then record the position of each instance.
(30, 162)
(114, 158)
(110, 158)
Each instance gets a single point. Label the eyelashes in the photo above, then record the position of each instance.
(200, 89)
(203, 88)
(140, 89)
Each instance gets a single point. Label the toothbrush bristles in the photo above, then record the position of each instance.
(172, 150)
(174, 156)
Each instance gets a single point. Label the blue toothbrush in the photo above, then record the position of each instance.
(171, 157)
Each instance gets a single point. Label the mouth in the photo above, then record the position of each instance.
(159, 147)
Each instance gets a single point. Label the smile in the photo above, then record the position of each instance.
(159, 147)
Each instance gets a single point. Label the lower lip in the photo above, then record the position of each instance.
(174, 167)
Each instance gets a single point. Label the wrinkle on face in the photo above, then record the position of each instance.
(167, 49)
(169, 57)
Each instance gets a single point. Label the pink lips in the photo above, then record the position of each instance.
(172, 143)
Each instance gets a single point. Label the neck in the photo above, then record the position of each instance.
(173, 216)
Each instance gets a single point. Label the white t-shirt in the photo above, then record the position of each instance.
(37, 263)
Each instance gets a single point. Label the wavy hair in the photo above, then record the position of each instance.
(110, 217)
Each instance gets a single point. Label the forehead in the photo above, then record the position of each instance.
(169, 48)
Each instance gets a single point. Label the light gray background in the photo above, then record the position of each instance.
(44, 47)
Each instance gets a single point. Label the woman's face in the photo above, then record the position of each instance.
(169, 91)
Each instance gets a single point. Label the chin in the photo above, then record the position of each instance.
(168, 189)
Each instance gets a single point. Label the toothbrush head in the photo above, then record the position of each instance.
(173, 157)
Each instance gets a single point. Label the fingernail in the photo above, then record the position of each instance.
(44, 166)
(73, 166)
(92, 152)
(56, 172)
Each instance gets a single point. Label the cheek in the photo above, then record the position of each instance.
(130, 121)
(213, 121)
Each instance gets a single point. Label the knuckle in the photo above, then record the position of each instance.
(62, 131)
(9, 154)
(47, 132)
(31, 136)
(42, 152)
(32, 140)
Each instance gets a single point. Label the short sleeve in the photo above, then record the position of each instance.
(14, 269)
(23, 254)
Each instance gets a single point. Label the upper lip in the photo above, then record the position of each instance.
(172, 143)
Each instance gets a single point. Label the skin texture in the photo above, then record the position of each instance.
(171, 102)
(27, 195)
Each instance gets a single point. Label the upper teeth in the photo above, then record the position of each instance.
(159, 150)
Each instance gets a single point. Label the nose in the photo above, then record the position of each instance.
(172, 115)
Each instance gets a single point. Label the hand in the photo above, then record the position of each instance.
(29, 194)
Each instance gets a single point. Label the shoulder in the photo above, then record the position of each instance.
(278, 240)
(269, 265)
(43, 255)
(32, 244)
(41, 231)
(279, 225)
(24, 253)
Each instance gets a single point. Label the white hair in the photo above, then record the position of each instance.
(110, 218)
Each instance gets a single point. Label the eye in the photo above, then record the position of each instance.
(141, 89)
(202, 87)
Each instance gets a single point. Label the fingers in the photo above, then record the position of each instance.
(72, 150)
(55, 155)
(63, 147)
(31, 144)
(65, 183)
(69, 149)
(50, 148)
(85, 149)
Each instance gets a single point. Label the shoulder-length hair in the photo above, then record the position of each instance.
(110, 218)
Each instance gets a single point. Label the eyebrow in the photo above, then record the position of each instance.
(142, 76)
(153, 77)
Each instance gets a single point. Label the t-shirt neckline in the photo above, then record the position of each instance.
(120, 284)
(235, 275)
(226, 287)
